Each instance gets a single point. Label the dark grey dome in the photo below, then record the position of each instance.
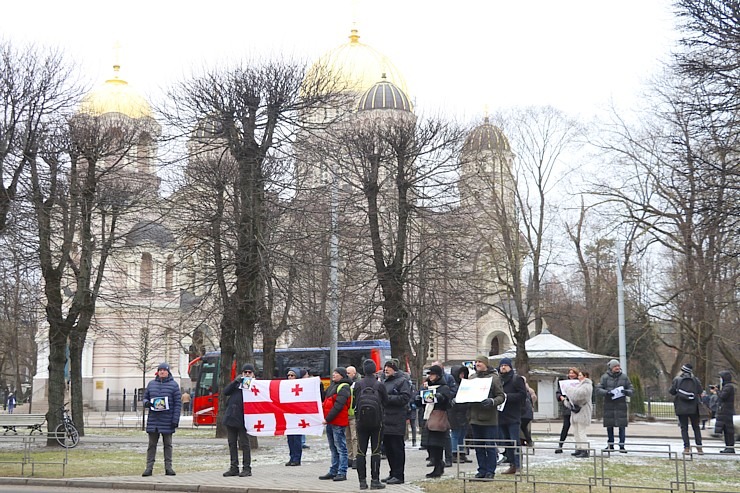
(486, 137)
(384, 95)
(144, 232)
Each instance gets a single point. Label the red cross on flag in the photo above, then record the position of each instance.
(283, 407)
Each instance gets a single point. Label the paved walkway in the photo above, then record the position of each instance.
(276, 478)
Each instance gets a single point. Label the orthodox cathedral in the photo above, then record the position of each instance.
(145, 312)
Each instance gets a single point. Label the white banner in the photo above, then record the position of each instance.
(283, 407)
(473, 389)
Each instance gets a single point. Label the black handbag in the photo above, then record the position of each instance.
(575, 408)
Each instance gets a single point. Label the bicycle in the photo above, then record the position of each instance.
(66, 433)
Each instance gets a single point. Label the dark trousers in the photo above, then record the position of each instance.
(151, 450)
(295, 448)
(238, 438)
(435, 454)
(448, 448)
(374, 437)
(396, 455)
(486, 455)
(566, 428)
(726, 427)
(683, 420)
(510, 432)
(610, 435)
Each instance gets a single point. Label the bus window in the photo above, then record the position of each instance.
(301, 359)
(208, 383)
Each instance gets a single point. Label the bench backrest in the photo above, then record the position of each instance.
(22, 419)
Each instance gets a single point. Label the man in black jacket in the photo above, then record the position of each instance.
(236, 431)
(398, 388)
(510, 419)
(368, 432)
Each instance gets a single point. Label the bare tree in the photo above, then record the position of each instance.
(677, 184)
(516, 204)
(79, 192)
(393, 169)
(34, 87)
(255, 109)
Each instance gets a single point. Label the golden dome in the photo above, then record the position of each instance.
(116, 96)
(357, 66)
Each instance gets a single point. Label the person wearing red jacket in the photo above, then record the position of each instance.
(336, 418)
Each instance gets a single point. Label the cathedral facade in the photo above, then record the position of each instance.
(145, 313)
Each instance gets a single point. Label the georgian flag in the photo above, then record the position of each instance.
(283, 407)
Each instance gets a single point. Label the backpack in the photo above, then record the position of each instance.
(369, 412)
(686, 390)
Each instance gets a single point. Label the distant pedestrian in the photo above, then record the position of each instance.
(579, 402)
(162, 397)
(687, 389)
(615, 387)
(11, 403)
(726, 411)
(336, 417)
(186, 403)
(565, 411)
(236, 430)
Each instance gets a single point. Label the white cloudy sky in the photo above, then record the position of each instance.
(460, 56)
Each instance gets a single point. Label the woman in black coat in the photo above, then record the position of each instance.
(435, 440)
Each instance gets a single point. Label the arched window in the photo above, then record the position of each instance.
(145, 279)
(169, 273)
(495, 347)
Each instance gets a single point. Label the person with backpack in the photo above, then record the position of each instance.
(687, 390)
(336, 418)
(398, 387)
(370, 400)
(459, 417)
(726, 411)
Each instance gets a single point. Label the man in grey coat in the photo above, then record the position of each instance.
(615, 387)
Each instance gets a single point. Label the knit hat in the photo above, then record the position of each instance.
(248, 367)
(507, 362)
(687, 368)
(392, 363)
(342, 371)
(436, 370)
(483, 359)
(163, 366)
(612, 364)
(369, 367)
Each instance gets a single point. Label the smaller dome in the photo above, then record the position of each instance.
(384, 95)
(487, 137)
(116, 96)
(144, 232)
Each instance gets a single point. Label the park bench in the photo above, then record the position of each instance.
(9, 422)
(28, 442)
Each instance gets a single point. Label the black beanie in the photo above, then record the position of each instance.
(248, 367)
(392, 363)
(369, 367)
(342, 371)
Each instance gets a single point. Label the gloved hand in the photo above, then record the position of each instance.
(487, 402)
(453, 402)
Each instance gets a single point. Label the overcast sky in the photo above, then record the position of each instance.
(576, 55)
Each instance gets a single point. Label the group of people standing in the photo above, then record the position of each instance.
(372, 410)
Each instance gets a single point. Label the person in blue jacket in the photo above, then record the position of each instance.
(162, 398)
